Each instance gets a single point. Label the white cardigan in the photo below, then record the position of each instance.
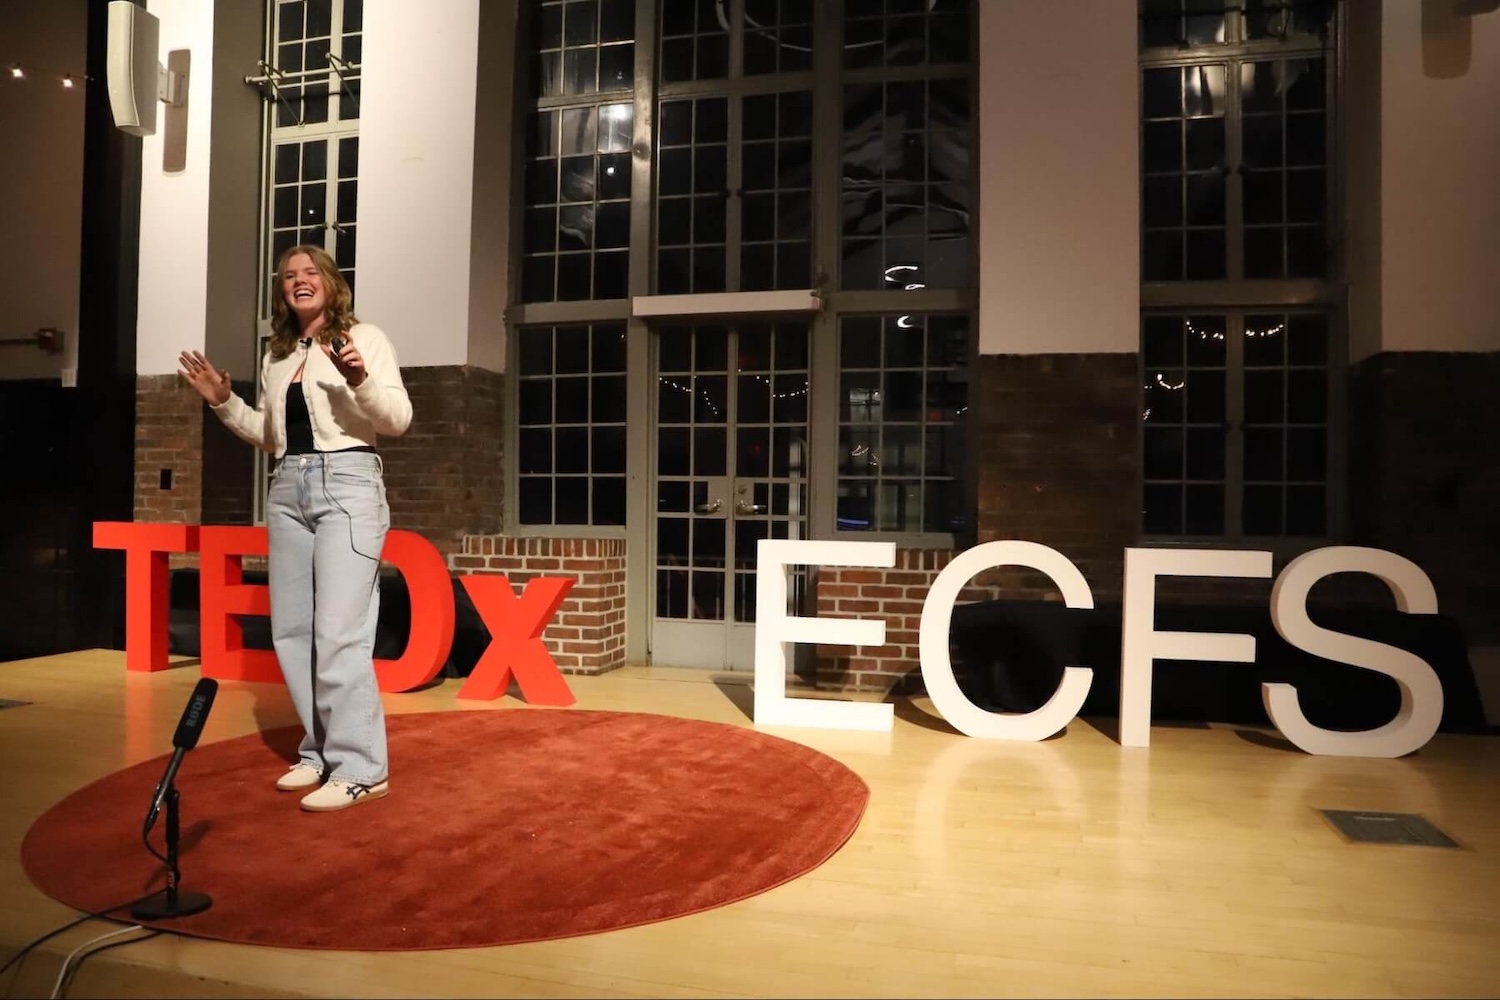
(341, 417)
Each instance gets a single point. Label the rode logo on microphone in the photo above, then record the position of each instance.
(516, 651)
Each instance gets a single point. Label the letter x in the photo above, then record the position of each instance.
(516, 648)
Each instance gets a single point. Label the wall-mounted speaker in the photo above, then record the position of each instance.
(132, 67)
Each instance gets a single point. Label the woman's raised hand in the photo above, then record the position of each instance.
(212, 383)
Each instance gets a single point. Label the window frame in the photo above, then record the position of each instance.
(273, 136)
(1235, 368)
(634, 441)
(964, 477)
(826, 81)
(1238, 296)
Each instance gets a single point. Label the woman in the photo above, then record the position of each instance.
(328, 385)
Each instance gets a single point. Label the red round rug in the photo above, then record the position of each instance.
(501, 827)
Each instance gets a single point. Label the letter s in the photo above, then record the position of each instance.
(1421, 692)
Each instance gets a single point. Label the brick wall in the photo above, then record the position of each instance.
(1056, 452)
(1424, 474)
(168, 439)
(229, 483)
(896, 595)
(212, 472)
(587, 636)
(445, 477)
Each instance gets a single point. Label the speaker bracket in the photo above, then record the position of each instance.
(171, 86)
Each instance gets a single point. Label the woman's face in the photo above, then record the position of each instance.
(302, 286)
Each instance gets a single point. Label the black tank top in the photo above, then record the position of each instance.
(299, 435)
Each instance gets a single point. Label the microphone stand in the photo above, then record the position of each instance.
(170, 903)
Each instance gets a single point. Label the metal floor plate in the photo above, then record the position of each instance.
(1366, 827)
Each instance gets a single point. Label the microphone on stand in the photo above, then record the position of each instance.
(172, 902)
(188, 730)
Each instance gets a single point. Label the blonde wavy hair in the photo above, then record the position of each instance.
(339, 312)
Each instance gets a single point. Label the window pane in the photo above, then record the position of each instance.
(905, 189)
(571, 447)
(776, 210)
(903, 402)
(1184, 168)
(778, 36)
(577, 157)
(1282, 432)
(694, 41)
(1284, 146)
(692, 196)
(904, 33)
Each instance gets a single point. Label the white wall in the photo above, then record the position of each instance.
(416, 176)
(173, 286)
(41, 181)
(496, 130)
(1440, 179)
(1059, 223)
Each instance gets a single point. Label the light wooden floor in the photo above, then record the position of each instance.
(1198, 867)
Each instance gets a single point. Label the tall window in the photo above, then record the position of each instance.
(792, 145)
(905, 190)
(578, 174)
(313, 85)
(734, 146)
(311, 82)
(1240, 351)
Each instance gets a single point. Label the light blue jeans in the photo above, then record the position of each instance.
(326, 521)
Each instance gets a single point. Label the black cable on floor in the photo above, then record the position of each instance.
(65, 927)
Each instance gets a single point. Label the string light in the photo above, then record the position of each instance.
(69, 81)
(1205, 334)
(710, 403)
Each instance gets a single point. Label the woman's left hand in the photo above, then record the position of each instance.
(349, 362)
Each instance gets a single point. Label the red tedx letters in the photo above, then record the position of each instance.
(515, 623)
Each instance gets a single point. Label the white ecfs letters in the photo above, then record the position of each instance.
(1141, 643)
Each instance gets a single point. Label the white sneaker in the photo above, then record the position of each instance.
(299, 777)
(339, 794)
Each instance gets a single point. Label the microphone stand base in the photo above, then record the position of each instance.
(169, 904)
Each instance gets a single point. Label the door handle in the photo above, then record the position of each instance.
(709, 508)
(744, 508)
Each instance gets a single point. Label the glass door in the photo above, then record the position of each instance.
(731, 457)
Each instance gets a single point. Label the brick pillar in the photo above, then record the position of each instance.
(188, 466)
(588, 634)
(444, 477)
(1057, 456)
(1424, 474)
(168, 450)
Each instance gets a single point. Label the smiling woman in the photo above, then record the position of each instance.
(319, 413)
